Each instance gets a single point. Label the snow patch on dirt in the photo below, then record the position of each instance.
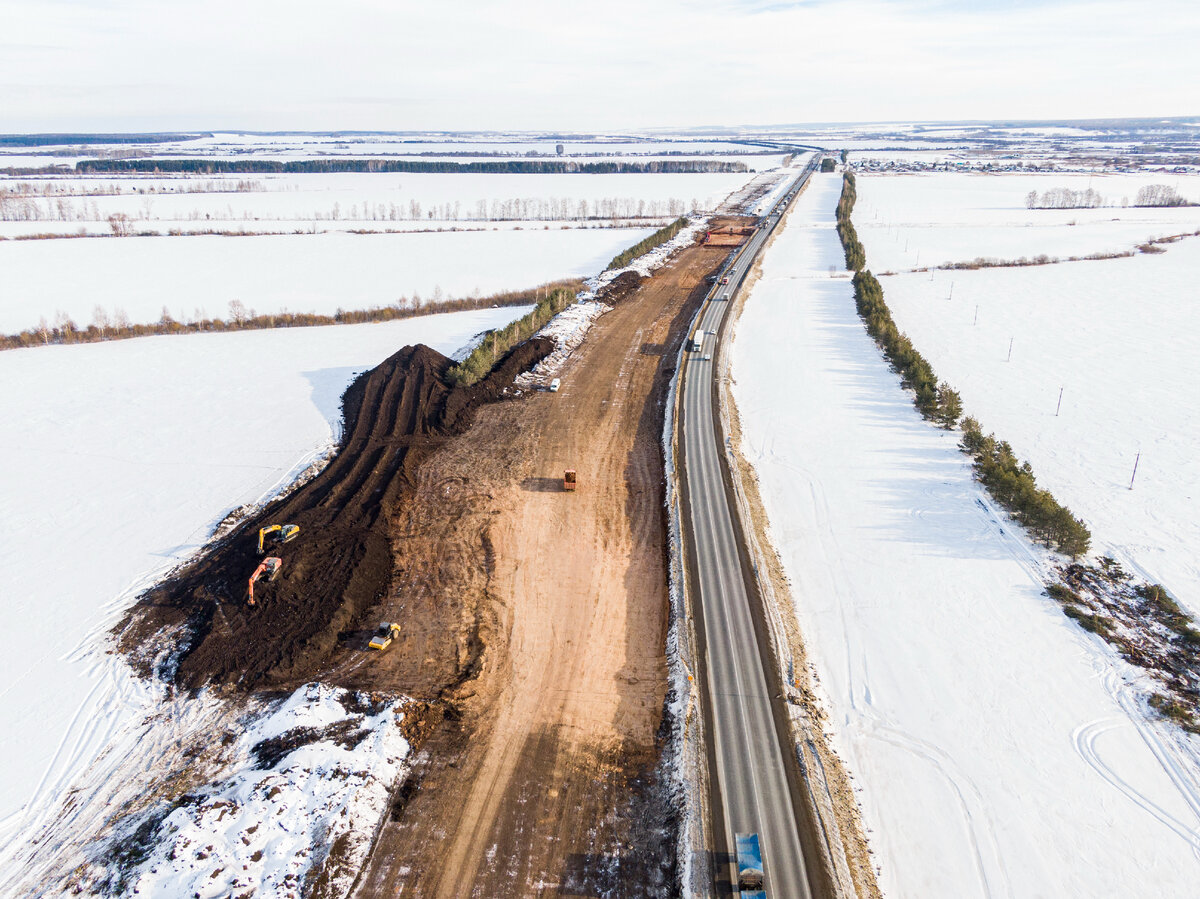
(647, 263)
(567, 330)
(311, 781)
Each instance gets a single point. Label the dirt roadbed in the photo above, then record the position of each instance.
(545, 781)
(533, 620)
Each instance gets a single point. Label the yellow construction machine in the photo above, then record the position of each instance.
(384, 636)
(282, 534)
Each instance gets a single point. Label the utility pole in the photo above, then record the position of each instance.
(1010, 343)
(952, 293)
(1136, 459)
(1060, 393)
(976, 315)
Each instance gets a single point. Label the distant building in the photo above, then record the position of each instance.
(559, 149)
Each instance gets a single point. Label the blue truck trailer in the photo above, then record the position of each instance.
(749, 866)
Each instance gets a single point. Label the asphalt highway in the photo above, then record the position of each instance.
(751, 787)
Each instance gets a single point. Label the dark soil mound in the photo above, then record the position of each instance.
(341, 562)
(620, 288)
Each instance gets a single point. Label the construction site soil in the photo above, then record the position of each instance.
(533, 620)
(341, 562)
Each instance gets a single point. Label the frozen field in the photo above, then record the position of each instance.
(31, 205)
(910, 221)
(197, 277)
(998, 748)
(119, 459)
(1118, 338)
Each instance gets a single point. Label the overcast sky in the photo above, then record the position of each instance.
(141, 65)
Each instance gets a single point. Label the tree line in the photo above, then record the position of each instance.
(323, 166)
(63, 330)
(1009, 482)
(659, 237)
(498, 342)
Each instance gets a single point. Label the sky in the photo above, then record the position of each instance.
(149, 65)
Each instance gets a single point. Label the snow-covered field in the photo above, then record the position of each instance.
(909, 221)
(197, 277)
(998, 748)
(36, 205)
(119, 459)
(1118, 338)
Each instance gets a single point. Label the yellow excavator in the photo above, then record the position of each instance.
(283, 533)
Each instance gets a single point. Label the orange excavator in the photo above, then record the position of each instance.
(268, 568)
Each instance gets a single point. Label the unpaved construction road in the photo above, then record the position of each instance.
(547, 784)
(533, 620)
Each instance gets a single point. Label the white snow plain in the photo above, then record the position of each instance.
(119, 459)
(998, 749)
(910, 221)
(1118, 338)
(284, 202)
(197, 277)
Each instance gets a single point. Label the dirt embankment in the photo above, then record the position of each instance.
(341, 563)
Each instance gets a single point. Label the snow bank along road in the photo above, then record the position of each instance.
(751, 774)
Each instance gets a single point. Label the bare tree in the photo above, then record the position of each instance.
(237, 312)
(100, 320)
(120, 224)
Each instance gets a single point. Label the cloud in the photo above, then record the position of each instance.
(540, 65)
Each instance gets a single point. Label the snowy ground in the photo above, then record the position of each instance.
(999, 749)
(197, 277)
(285, 202)
(120, 458)
(273, 819)
(1118, 338)
(909, 221)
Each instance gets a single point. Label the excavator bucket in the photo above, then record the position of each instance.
(269, 569)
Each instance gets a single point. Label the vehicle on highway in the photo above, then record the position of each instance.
(749, 865)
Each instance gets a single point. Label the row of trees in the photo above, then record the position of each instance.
(498, 342)
(856, 255)
(117, 326)
(933, 399)
(321, 166)
(1063, 198)
(1011, 483)
(659, 237)
(16, 208)
(1160, 195)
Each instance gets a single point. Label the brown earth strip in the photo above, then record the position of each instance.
(533, 620)
(543, 781)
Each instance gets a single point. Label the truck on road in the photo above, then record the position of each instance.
(749, 866)
(697, 342)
